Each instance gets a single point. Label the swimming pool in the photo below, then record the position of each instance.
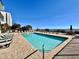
(38, 40)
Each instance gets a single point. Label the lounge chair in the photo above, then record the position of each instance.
(6, 44)
(1, 41)
(5, 40)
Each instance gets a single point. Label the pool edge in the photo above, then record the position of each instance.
(55, 51)
(52, 54)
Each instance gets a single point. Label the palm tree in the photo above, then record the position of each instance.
(28, 27)
(47, 30)
(4, 27)
(1, 18)
(23, 28)
(15, 27)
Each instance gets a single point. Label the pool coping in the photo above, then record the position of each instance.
(51, 54)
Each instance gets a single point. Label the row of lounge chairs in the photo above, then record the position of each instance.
(5, 40)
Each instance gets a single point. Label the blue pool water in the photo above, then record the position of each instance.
(38, 40)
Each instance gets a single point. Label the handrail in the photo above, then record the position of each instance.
(30, 54)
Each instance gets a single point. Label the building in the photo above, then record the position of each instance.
(5, 17)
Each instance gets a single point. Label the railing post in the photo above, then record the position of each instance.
(43, 50)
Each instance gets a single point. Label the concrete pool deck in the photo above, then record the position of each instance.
(20, 49)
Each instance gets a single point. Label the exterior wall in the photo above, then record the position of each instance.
(3, 21)
(7, 18)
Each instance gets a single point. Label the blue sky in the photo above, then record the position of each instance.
(44, 13)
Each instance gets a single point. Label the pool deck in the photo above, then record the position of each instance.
(22, 49)
(71, 51)
(19, 49)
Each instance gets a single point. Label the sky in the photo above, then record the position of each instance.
(44, 13)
